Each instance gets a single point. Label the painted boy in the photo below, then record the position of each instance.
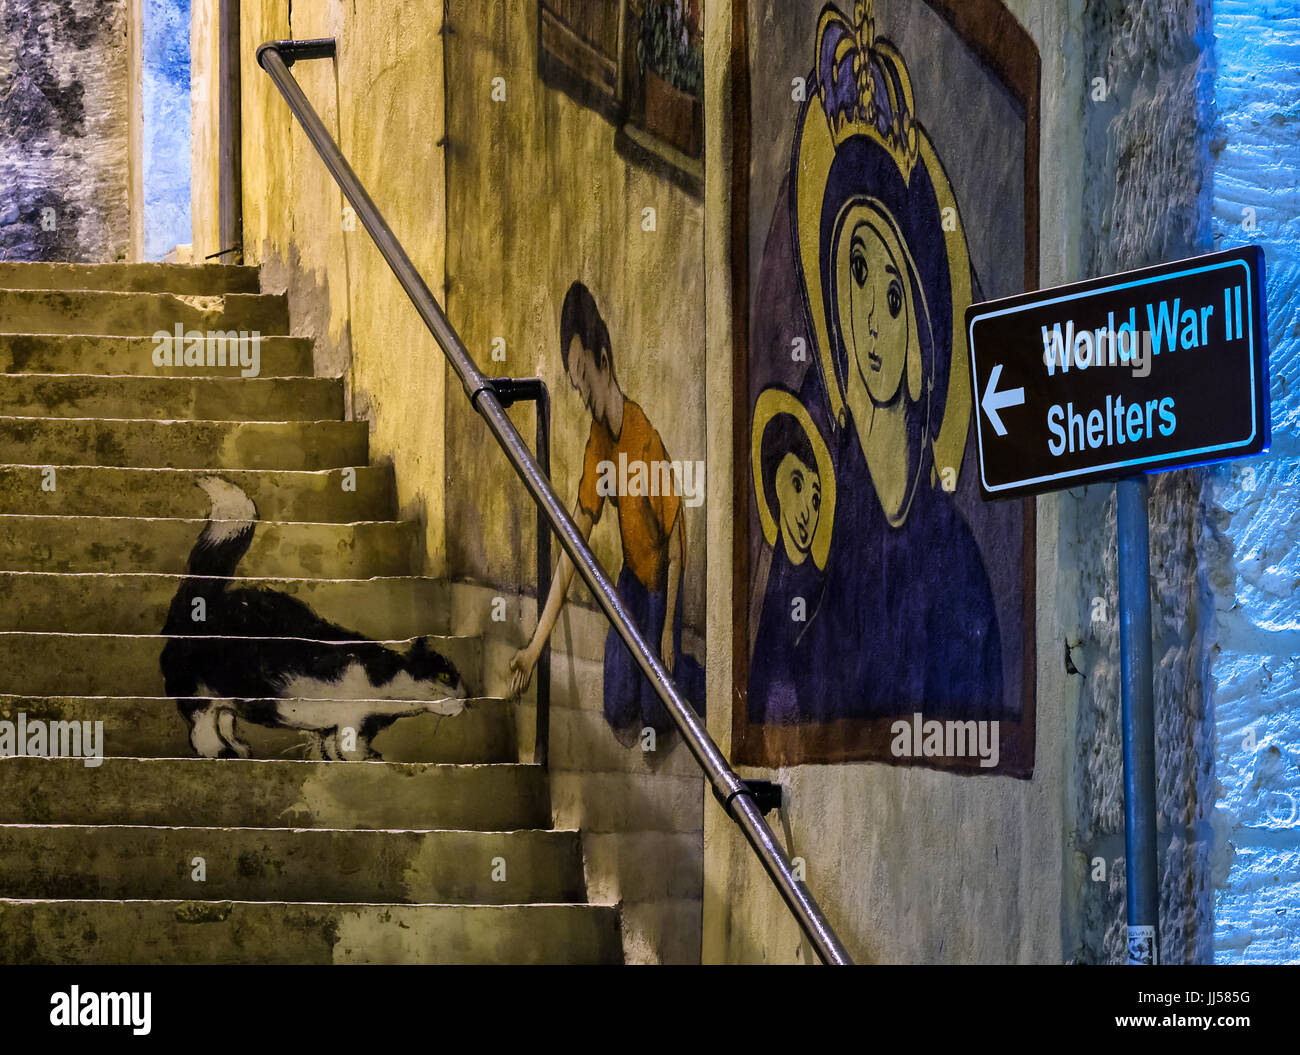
(650, 527)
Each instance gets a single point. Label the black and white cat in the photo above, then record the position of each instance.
(267, 658)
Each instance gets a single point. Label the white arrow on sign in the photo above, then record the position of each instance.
(995, 401)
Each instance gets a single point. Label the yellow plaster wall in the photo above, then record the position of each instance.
(382, 98)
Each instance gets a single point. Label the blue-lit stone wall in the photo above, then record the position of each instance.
(64, 130)
(1253, 507)
(166, 92)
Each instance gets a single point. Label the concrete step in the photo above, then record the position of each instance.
(50, 664)
(290, 864)
(147, 278)
(172, 398)
(151, 727)
(183, 444)
(137, 932)
(268, 793)
(392, 607)
(296, 550)
(331, 496)
(107, 313)
(24, 353)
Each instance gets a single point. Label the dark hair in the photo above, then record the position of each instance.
(581, 318)
(783, 435)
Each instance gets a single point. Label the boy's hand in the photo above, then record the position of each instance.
(666, 651)
(522, 664)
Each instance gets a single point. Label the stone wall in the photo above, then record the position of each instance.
(1252, 509)
(64, 130)
(1146, 194)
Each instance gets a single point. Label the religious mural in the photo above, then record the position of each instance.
(889, 608)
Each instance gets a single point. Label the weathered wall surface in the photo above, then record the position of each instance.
(205, 232)
(910, 865)
(383, 100)
(64, 130)
(1146, 200)
(538, 197)
(1253, 507)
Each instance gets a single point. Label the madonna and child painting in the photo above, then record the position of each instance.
(881, 588)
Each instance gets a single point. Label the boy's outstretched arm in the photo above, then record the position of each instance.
(523, 661)
(676, 553)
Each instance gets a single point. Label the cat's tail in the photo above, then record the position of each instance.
(232, 519)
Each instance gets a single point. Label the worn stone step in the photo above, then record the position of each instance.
(27, 353)
(270, 793)
(183, 444)
(47, 664)
(290, 864)
(172, 398)
(152, 727)
(106, 312)
(176, 932)
(391, 607)
(146, 278)
(332, 495)
(103, 544)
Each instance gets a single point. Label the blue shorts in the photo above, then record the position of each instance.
(631, 702)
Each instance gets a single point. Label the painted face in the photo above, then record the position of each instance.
(799, 494)
(877, 295)
(586, 378)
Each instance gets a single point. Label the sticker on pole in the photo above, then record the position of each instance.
(1155, 369)
(1142, 950)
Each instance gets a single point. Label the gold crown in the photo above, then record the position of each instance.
(875, 98)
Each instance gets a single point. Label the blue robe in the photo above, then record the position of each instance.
(906, 620)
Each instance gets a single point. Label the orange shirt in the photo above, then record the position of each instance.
(645, 519)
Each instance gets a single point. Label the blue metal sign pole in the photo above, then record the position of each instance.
(1138, 716)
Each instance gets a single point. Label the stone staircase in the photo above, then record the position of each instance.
(442, 852)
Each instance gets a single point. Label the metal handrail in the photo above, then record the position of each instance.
(275, 57)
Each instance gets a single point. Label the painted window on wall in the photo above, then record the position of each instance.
(640, 63)
(580, 49)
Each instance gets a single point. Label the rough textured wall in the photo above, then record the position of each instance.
(1146, 200)
(205, 233)
(383, 100)
(166, 100)
(63, 130)
(910, 865)
(1254, 505)
(538, 197)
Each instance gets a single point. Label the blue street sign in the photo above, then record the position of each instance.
(1154, 369)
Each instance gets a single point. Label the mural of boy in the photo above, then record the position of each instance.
(651, 529)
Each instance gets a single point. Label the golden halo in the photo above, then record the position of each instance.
(814, 152)
(770, 403)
